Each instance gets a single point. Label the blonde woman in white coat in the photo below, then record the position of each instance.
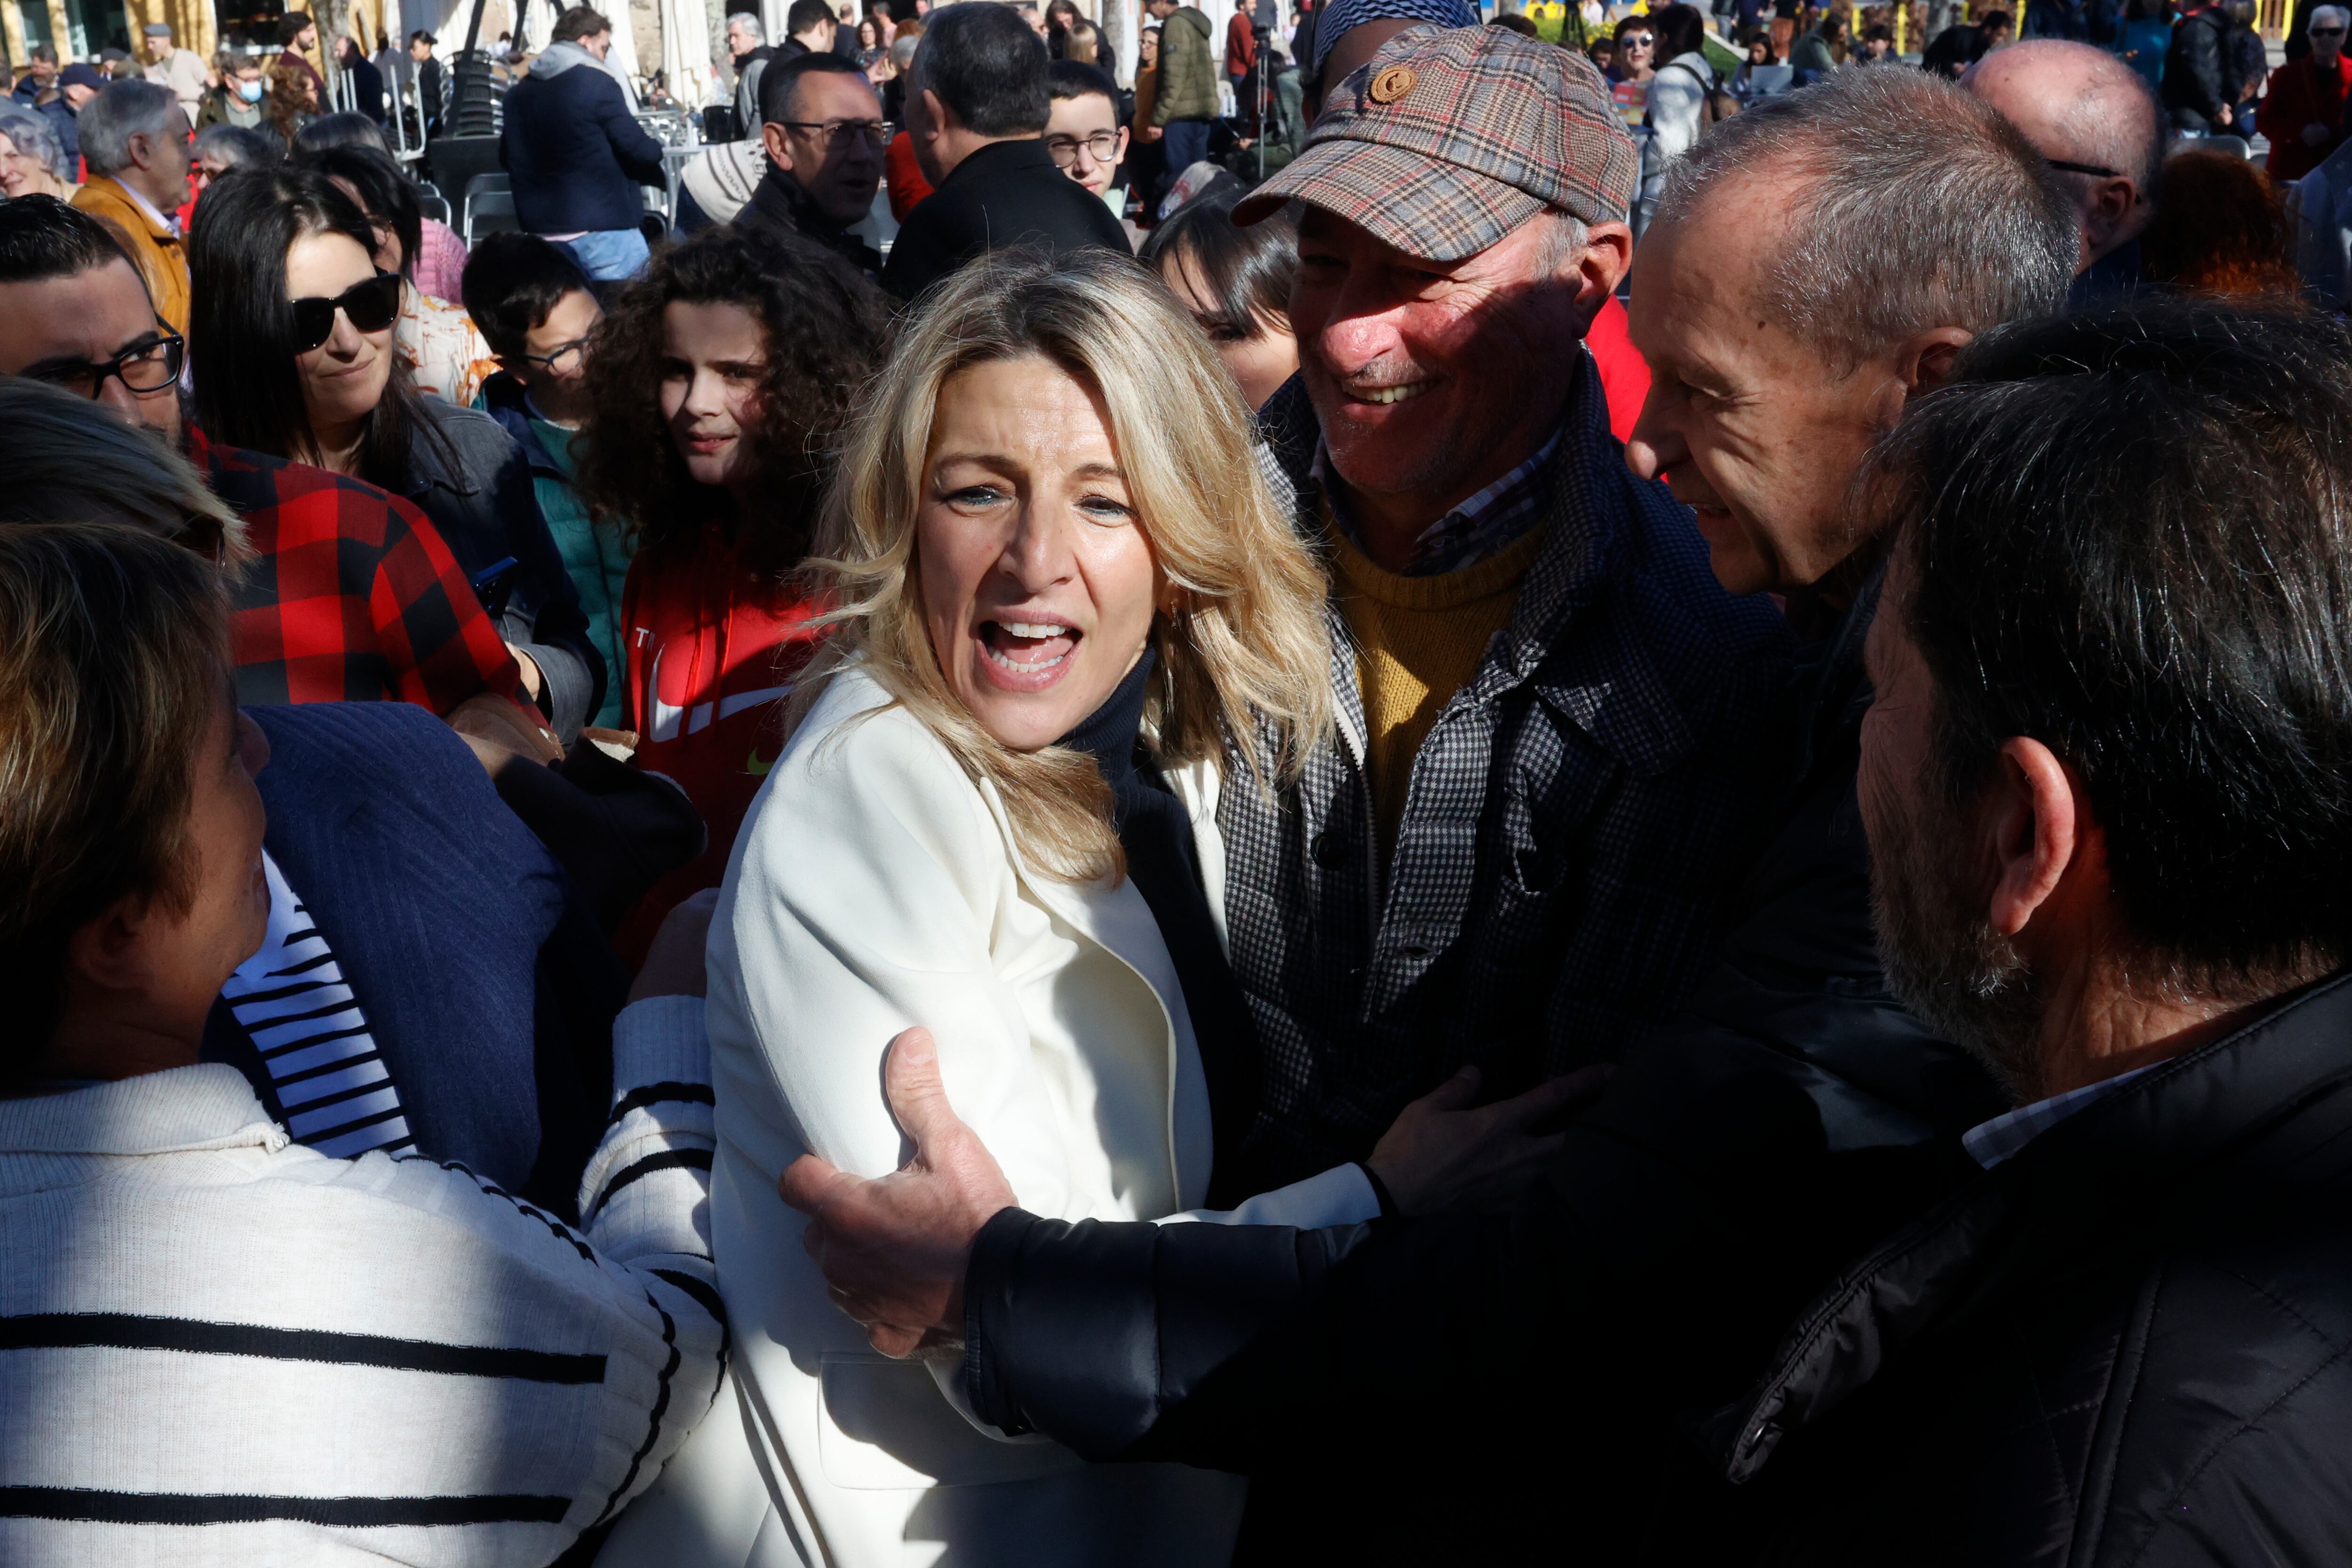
(1064, 589)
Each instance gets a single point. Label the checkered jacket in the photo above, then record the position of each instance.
(1577, 817)
(353, 598)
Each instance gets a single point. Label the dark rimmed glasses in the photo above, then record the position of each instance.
(566, 361)
(1102, 146)
(2097, 171)
(371, 307)
(146, 368)
(839, 134)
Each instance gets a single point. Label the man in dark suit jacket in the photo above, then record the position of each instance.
(576, 155)
(430, 980)
(976, 109)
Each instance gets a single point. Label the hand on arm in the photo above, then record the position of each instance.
(894, 1249)
(1444, 1151)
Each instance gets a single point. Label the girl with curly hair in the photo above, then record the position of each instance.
(718, 381)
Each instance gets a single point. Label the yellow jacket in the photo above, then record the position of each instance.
(159, 254)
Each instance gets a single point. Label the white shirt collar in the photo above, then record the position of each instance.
(170, 223)
(206, 1106)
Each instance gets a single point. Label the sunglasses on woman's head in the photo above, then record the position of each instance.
(371, 307)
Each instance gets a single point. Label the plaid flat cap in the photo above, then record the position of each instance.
(1451, 138)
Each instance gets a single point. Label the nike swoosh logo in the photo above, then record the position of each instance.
(754, 766)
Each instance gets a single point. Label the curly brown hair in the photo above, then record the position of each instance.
(827, 331)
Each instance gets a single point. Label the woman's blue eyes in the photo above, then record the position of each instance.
(1100, 507)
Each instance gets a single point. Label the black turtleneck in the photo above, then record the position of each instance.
(1157, 834)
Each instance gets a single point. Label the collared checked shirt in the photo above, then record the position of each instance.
(1576, 821)
(1479, 527)
(1991, 1143)
(353, 598)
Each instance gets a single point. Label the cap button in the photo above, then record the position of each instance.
(1393, 84)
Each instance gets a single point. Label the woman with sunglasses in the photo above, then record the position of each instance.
(1636, 47)
(448, 357)
(291, 341)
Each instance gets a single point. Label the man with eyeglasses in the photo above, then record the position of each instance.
(2094, 119)
(2303, 114)
(822, 128)
(1083, 135)
(976, 113)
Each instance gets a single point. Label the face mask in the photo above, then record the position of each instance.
(249, 90)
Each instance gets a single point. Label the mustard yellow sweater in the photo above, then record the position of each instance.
(1418, 639)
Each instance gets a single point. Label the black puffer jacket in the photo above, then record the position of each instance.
(2129, 1344)
(1451, 1389)
(2200, 72)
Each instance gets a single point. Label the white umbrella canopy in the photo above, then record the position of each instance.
(686, 52)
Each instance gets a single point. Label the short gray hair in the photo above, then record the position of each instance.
(1916, 206)
(747, 24)
(127, 108)
(36, 138)
(2343, 17)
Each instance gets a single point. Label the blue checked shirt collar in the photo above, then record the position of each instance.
(1479, 527)
(1991, 1143)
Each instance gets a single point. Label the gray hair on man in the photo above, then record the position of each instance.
(126, 109)
(747, 24)
(2341, 16)
(36, 138)
(1920, 208)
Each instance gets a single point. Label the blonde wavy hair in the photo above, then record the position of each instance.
(1243, 657)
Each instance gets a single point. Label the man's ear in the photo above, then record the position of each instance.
(779, 143)
(1600, 267)
(2037, 817)
(1926, 361)
(109, 952)
(936, 113)
(514, 366)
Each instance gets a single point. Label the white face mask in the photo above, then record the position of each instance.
(249, 90)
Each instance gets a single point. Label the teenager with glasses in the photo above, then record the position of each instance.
(536, 307)
(293, 337)
(1083, 133)
(823, 129)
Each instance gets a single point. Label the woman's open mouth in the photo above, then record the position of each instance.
(1026, 655)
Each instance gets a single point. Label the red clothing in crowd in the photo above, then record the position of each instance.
(1625, 375)
(1241, 44)
(902, 176)
(711, 647)
(2302, 94)
(355, 597)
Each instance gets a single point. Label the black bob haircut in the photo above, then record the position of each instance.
(241, 324)
(1247, 271)
(385, 196)
(988, 66)
(2127, 534)
(346, 129)
(783, 79)
(42, 238)
(512, 281)
(1075, 78)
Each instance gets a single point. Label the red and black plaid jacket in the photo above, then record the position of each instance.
(353, 598)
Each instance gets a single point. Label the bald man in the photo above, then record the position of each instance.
(2094, 119)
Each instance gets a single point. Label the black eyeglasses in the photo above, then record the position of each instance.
(1102, 146)
(371, 307)
(2097, 171)
(567, 358)
(149, 366)
(839, 133)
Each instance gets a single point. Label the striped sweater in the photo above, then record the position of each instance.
(219, 1346)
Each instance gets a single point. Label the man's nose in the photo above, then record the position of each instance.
(1654, 445)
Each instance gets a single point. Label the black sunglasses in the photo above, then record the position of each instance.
(2097, 171)
(371, 307)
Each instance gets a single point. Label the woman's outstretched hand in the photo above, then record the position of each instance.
(894, 1249)
(1443, 1153)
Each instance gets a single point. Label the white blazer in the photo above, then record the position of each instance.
(875, 887)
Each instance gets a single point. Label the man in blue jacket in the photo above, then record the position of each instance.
(576, 155)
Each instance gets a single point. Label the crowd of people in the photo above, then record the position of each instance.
(1495, 846)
